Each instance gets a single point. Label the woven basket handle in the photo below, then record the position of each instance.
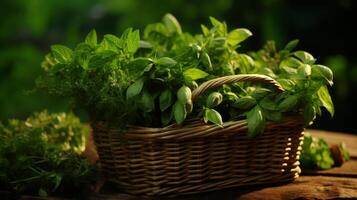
(233, 79)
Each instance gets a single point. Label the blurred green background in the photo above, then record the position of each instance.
(28, 28)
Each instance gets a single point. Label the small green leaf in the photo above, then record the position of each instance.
(213, 116)
(206, 60)
(244, 103)
(324, 72)
(288, 103)
(62, 53)
(172, 24)
(325, 99)
(309, 114)
(91, 38)
(145, 44)
(260, 93)
(268, 104)
(305, 57)
(147, 101)
(274, 116)
(304, 70)
(291, 45)
(238, 35)
(214, 99)
(205, 30)
(135, 89)
(194, 74)
(165, 99)
(290, 62)
(101, 59)
(132, 41)
(184, 95)
(256, 122)
(166, 61)
(179, 112)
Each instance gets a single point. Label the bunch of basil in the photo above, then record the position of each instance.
(148, 80)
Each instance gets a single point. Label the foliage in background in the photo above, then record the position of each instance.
(26, 33)
(148, 82)
(42, 154)
(316, 153)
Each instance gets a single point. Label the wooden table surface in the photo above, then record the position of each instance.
(335, 183)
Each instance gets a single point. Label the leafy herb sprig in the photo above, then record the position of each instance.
(148, 81)
(42, 154)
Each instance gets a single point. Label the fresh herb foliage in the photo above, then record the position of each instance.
(42, 154)
(148, 80)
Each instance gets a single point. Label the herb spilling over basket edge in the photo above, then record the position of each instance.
(152, 80)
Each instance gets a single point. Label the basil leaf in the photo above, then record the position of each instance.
(256, 122)
(91, 38)
(213, 116)
(194, 74)
(238, 35)
(288, 103)
(166, 61)
(62, 53)
(147, 102)
(214, 99)
(305, 57)
(179, 112)
(309, 114)
(172, 24)
(325, 99)
(135, 89)
(244, 103)
(184, 95)
(165, 99)
(291, 45)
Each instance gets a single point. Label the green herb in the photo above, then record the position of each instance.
(42, 154)
(148, 80)
(315, 153)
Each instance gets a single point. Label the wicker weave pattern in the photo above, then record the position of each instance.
(174, 161)
(197, 157)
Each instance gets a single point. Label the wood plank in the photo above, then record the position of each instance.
(309, 187)
(335, 138)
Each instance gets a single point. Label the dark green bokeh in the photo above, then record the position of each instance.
(28, 28)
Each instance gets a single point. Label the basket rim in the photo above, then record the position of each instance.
(191, 129)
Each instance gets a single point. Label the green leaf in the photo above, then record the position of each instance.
(260, 93)
(291, 45)
(288, 103)
(133, 41)
(214, 99)
(112, 42)
(62, 53)
(324, 72)
(274, 116)
(184, 95)
(179, 112)
(305, 57)
(194, 74)
(101, 59)
(244, 103)
(147, 102)
(290, 62)
(268, 104)
(145, 45)
(165, 99)
(135, 89)
(325, 99)
(309, 114)
(256, 122)
(213, 116)
(91, 38)
(172, 24)
(238, 35)
(304, 70)
(205, 30)
(166, 61)
(206, 61)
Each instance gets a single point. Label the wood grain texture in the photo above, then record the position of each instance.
(309, 187)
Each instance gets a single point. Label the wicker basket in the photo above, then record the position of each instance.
(198, 157)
